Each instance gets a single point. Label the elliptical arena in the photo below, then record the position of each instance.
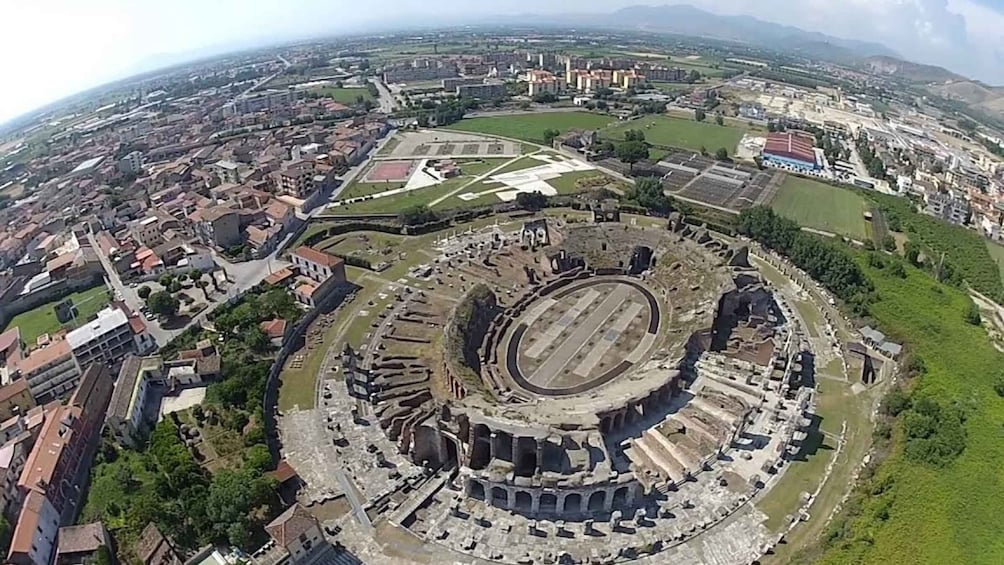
(572, 392)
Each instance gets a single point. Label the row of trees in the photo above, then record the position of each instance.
(827, 262)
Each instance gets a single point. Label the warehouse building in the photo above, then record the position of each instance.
(791, 150)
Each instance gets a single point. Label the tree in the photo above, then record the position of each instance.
(634, 135)
(999, 385)
(531, 200)
(104, 556)
(694, 76)
(720, 120)
(256, 339)
(631, 152)
(889, 243)
(650, 195)
(163, 303)
(202, 286)
(549, 135)
(143, 292)
(699, 115)
(165, 280)
(722, 154)
(971, 314)
(545, 98)
(417, 215)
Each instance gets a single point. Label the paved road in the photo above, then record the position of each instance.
(387, 103)
(242, 276)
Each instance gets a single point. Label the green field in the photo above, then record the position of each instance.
(42, 320)
(680, 132)
(925, 513)
(347, 96)
(357, 189)
(823, 207)
(531, 127)
(398, 202)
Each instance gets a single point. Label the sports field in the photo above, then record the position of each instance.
(42, 320)
(823, 207)
(347, 96)
(531, 127)
(680, 132)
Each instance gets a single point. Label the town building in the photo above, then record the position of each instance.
(297, 179)
(126, 416)
(52, 475)
(791, 149)
(15, 399)
(297, 533)
(12, 458)
(153, 548)
(318, 265)
(51, 371)
(105, 340)
(132, 163)
(947, 207)
(484, 91)
(79, 545)
(218, 226)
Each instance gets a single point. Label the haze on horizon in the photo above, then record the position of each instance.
(55, 48)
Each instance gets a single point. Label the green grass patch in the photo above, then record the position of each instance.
(398, 202)
(568, 182)
(357, 189)
(997, 254)
(924, 513)
(347, 96)
(478, 167)
(42, 319)
(531, 127)
(823, 207)
(680, 132)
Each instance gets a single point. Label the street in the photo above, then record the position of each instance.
(242, 276)
(387, 103)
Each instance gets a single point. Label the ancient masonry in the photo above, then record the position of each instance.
(637, 388)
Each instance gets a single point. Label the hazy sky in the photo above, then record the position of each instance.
(53, 48)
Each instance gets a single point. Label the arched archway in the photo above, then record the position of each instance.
(480, 447)
(620, 497)
(597, 500)
(573, 503)
(524, 502)
(500, 497)
(477, 490)
(548, 502)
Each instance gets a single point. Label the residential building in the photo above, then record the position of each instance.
(52, 471)
(126, 417)
(15, 399)
(318, 265)
(78, 545)
(947, 207)
(217, 226)
(12, 458)
(132, 164)
(484, 91)
(297, 532)
(105, 340)
(147, 231)
(228, 171)
(11, 347)
(297, 179)
(451, 84)
(35, 532)
(966, 179)
(50, 371)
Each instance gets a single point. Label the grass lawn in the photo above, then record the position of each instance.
(997, 254)
(680, 132)
(42, 320)
(823, 207)
(925, 513)
(530, 127)
(566, 183)
(519, 165)
(362, 244)
(398, 202)
(347, 96)
(357, 189)
(478, 167)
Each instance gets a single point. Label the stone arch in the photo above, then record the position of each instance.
(480, 447)
(477, 490)
(524, 502)
(500, 497)
(621, 497)
(548, 502)
(597, 500)
(503, 446)
(572, 503)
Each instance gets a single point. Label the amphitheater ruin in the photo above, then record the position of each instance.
(573, 392)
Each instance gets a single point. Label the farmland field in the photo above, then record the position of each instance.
(531, 127)
(42, 319)
(680, 132)
(823, 207)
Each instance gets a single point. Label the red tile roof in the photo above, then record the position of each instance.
(314, 256)
(791, 145)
